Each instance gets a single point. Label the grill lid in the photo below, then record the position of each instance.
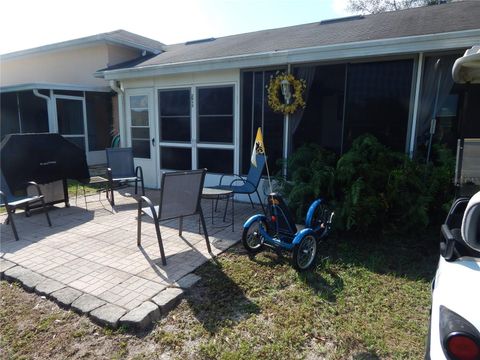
(42, 158)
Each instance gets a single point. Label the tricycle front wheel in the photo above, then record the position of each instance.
(252, 240)
(305, 252)
(319, 218)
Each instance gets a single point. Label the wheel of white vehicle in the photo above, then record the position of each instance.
(251, 238)
(304, 253)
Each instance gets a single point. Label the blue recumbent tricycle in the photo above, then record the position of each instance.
(278, 230)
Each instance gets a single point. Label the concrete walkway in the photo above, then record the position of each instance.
(89, 259)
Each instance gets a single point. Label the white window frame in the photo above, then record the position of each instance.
(84, 109)
(194, 143)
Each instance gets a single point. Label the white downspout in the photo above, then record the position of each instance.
(52, 124)
(121, 116)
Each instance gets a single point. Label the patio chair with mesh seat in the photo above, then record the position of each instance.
(120, 169)
(12, 202)
(248, 185)
(180, 196)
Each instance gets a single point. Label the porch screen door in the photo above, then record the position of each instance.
(71, 119)
(141, 133)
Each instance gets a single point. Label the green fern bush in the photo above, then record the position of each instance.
(311, 175)
(371, 187)
(439, 176)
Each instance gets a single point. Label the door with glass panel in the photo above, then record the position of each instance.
(141, 133)
(71, 119)
(175, 129)
(197, 128)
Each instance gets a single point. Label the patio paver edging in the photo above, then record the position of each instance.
(99, 311)
(89, 261)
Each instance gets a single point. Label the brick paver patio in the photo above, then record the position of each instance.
(94, 251)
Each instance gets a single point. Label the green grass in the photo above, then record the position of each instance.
(89, 189)
(366, 299)
(72, 188)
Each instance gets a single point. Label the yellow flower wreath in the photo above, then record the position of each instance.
(273, 90)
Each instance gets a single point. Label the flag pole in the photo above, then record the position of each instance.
(266, 165)
(259, 148)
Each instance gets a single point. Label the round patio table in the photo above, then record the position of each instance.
(94, 180)
(219, 194)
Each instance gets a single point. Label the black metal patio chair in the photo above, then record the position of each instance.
(12, 202)
(180, 196)
(248, 185)
(120, 169)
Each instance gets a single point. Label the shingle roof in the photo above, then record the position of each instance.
(126, 37)
(121, 37)
(452, 17)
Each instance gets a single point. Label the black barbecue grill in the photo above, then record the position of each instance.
(44, 158)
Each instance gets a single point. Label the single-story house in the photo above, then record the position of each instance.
(198, 104)
(52, 88)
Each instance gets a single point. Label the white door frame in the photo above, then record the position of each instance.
(84, 110)
(166, 143)
(149, 166)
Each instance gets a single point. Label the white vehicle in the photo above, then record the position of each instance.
(455, 317)
(454, 332)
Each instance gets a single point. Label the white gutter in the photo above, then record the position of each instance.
(52, 86)
(121, 114)
(52, 124)
(82, 42)
(337, 52)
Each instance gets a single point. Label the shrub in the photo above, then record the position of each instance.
(361, 176)
(371, 187)
(407, 198)
(311, 171)
(439, 177)
(379, 189)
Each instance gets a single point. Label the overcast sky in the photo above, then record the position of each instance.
(26, 24)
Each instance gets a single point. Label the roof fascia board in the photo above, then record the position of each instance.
(346, 51)
(53, 86)
(82, 42)
(53, 47)
(131, 44)
(396, 46)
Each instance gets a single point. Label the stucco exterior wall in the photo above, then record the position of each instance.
(74, 65)
(67, 66)
(187, 79)
(117, 54)
(150, 86)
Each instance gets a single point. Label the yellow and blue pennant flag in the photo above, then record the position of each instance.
(258, 147)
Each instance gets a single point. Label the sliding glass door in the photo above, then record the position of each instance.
(175, 126)
(196, 128)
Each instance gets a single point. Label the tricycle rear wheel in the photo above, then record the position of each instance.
(305, 252)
